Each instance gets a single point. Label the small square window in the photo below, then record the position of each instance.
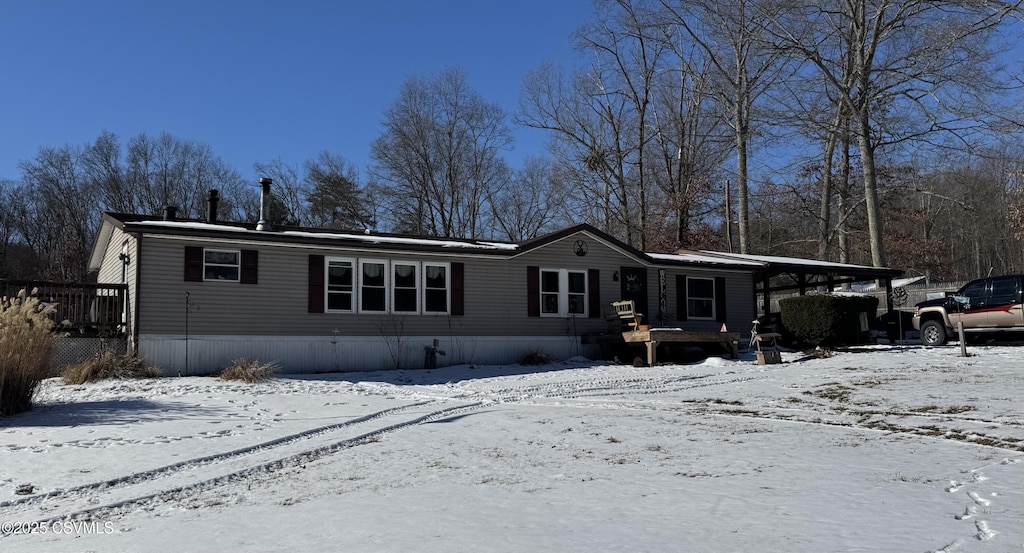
(221, 265)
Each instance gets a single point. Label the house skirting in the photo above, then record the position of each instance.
(311, 354)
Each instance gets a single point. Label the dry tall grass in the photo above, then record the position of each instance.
(248, 370)
(108, 364)
(26, 345)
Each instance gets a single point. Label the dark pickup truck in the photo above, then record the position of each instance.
(985, 305)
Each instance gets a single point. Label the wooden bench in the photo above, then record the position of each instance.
(625, 311)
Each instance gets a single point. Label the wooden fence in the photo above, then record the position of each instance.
(83, 308)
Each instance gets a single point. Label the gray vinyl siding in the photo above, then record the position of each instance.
(739, 299)
(495, 293)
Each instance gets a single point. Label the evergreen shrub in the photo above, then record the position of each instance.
(827, 320)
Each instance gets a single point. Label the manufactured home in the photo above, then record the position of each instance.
(202, 293)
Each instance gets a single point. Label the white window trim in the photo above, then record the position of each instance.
(327, 284)
(714, 300)
(387, 285)
(238, 266)
(389, 288)
(417, 267)
(563, 293)
(447, 287)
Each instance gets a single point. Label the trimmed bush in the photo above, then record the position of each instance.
(26, 345)
(250, 371)
(827, 320)
(108, 364)
(534, 358)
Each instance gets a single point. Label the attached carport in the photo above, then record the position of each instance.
(786, 274)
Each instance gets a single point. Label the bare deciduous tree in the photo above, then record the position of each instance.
(439, 156)
(730, 36)
(902, 70)
(533, 202)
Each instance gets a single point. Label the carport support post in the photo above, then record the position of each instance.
(765, 291)
(888, 295)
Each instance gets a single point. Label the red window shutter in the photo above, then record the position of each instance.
(250, 267)
(533, 291)
(680, 297)
(458, 289)
(316, 284)
(594, 292)
(720, 312)
(193, 264)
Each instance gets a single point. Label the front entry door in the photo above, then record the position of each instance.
(633, 281)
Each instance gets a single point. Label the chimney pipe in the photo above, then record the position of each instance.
(170, 212)
(264, 222)
(211, 206)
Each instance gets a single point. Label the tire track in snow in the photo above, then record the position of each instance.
(161, 472)
(603, 387)
(298, 459)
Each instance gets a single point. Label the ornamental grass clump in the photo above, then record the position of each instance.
(108, 364)
(250, 371)
(26, 345)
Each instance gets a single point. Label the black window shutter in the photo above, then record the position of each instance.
(533, 291)
(316, 284)
(250, 267)
(193, 264)
(458, 289)
(720, 299)
(594, 290)
(680, 297)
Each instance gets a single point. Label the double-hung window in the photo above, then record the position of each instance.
(436, 289)
(373, 286)
(405, 284)
(340, 285)
(223, 265)
(380, 286)
(700, 298)
(563, 293)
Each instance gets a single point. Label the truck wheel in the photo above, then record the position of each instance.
(933, 333)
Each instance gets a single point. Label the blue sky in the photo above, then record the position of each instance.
(257, 80)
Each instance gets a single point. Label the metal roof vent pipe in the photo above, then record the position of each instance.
(211, 206)
(264, 222)
(170, 212)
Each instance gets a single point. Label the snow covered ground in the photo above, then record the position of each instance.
(888, 448)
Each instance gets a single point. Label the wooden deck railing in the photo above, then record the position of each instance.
(93, 309)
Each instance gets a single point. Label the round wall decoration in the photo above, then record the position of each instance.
(580, 247)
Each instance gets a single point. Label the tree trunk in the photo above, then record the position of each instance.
(867, 158)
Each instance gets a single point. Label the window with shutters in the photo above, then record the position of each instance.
(700, 298)
(221, 265)
(352, 285)
(563, 293)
